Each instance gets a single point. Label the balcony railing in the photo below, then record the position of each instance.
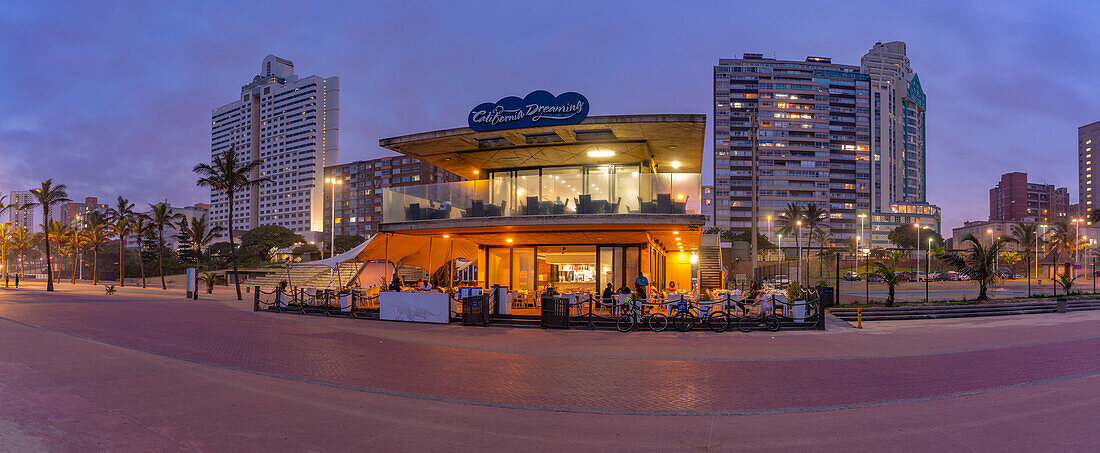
(633, 193)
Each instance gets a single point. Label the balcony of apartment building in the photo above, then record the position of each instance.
(570, 195)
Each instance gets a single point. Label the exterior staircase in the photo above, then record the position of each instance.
(710, 263)
(307, 275)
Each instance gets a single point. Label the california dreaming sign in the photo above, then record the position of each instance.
(540, 108)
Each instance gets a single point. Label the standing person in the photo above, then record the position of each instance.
(640, 285)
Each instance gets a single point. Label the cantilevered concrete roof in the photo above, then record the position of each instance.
(662, 138)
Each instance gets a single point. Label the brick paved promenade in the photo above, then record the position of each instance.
(144, 369)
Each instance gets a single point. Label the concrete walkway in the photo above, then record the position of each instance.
(145, 369)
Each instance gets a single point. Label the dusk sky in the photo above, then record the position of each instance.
(114, 98)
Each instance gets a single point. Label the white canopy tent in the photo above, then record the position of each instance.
(427, 252)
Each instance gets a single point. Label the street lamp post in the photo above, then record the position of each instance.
(798, 235)
(1044, 227)
(1076, 246)
(332, 236)
(861, 217)
(917, 227)
(927, 269)
(769, 227)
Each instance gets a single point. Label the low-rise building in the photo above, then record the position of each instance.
(1016, 199)
(908, 214)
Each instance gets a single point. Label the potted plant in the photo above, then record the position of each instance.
(794, 294)
(211, 279)
(280, 289)
(343, 295)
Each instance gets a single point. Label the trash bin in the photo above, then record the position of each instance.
(1061, 306)
(826, 295)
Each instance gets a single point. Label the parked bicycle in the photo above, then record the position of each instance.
(632, 315)
(687, 313)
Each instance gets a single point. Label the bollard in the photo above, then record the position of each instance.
(1060, 306)
(859, 318)
(256, 299)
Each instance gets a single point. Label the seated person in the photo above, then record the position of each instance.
(671, 287)
(624, 290)
(609, 292)
(424, 286)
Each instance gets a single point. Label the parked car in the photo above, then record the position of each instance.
(874, 278)
(1008, 274)
(938, 276)
(852, 276)
(912, 276)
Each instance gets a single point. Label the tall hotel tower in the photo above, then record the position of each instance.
(897, 117)
(813, 142)
(292, 124)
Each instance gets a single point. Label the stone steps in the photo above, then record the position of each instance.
(960, 311)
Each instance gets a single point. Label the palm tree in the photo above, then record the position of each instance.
(58, 230)
(888, 271)
(21, 241)
(47, 196)
(198, 235)
(790, 223)
(6, 231)
(142, 228)
(976, 262)
(97, 236)
(123, 217)
(228, 175)
(823, 237)
(813, 218)
(1026, 234)
(76, 242)
(161, 216)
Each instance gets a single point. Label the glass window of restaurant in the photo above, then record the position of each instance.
(566, 268)
(612, 188)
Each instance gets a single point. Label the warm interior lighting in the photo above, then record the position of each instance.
(476, 172)
(509, 240)
(675, 232)
(601, 153)
(680, 196)
(445, 236)
(675, 164)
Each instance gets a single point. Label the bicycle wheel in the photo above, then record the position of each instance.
(683, 321)
(747, 323)
(625, 323)
(771, 322)
(658, 322)
(718, 321)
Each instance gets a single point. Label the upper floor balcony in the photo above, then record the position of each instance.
(546, 194)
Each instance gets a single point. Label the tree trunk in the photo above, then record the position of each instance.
(160, 257)
(141, 265)
(75, 256)
(981, 292)
(233, 246)
(95, 266)
(46, 233)
(4, 261)
(121, 260)
(890, 297)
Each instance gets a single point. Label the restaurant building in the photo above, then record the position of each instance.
(553, 198)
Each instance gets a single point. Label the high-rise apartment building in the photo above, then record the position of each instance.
(75, 214)
(813, 140)
(359, 192)
(1088, 137)
(1014, 198)
(292, 124)
(22, 217)
(897, 120)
